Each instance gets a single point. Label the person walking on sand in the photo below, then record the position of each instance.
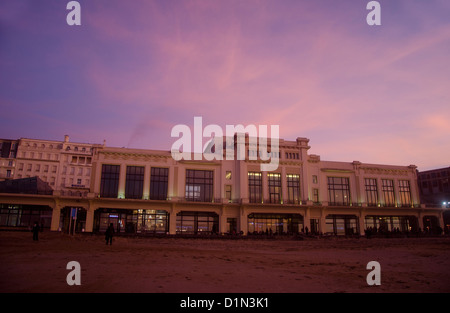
(109, 234)
(35, 231)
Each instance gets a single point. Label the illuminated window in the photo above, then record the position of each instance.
(339, 190)
(371, 191)
(199, 185)
(404, 191)
(274, 187)
(388, 192)
(254, 187)
(293, 188)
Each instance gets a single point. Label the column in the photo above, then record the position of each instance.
(243, 222)
(420, 220)
(362, 220)
(307, 220)
(243, 182)
(322, 221)
(441, 221)
(146, 191)
(122, 178)
(56, 215)
(172, 190)
(304, 186)
(96, 174)
(90, 210)
(265, 187)
(222, 221)
(284, 193)
(173, 220)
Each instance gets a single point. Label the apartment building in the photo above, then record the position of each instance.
(147, 191)
(8, 152)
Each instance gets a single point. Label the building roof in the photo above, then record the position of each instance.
(32, 185)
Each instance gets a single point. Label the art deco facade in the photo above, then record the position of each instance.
(147, 191)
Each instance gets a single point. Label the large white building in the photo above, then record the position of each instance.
(147, 191)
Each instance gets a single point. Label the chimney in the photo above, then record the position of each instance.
(66, 138)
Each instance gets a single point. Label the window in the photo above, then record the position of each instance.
(228, 192)
(158, 183)
(293, 188)
(316, 195)
(197, 222)
(388, 192)
(371, 191)
(254, 187)
(404, 191)
(314, 179)
(228, 175)
(339, 190)
(8, 173)
(271, 223)
(292, 155)
(274, 187)
(134, 182)
(199, 185)
(109, 185)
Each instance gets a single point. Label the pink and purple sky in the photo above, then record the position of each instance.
(134, 69)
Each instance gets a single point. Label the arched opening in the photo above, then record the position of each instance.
(342, 224)
(138, 221)
(72, 220)
(20, 216)
(431, 225)
(274, 224)
(196, 223)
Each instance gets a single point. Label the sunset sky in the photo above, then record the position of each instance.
(135, 69)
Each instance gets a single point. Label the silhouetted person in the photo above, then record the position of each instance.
(35, 231)
(109, 234)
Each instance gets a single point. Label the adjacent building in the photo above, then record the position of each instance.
(8, 152)
(434, 190)
(147, 191)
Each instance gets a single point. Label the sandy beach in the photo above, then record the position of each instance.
(179, 265)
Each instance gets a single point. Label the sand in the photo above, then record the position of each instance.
(179, 265)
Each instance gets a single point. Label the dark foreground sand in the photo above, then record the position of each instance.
(179, 265)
